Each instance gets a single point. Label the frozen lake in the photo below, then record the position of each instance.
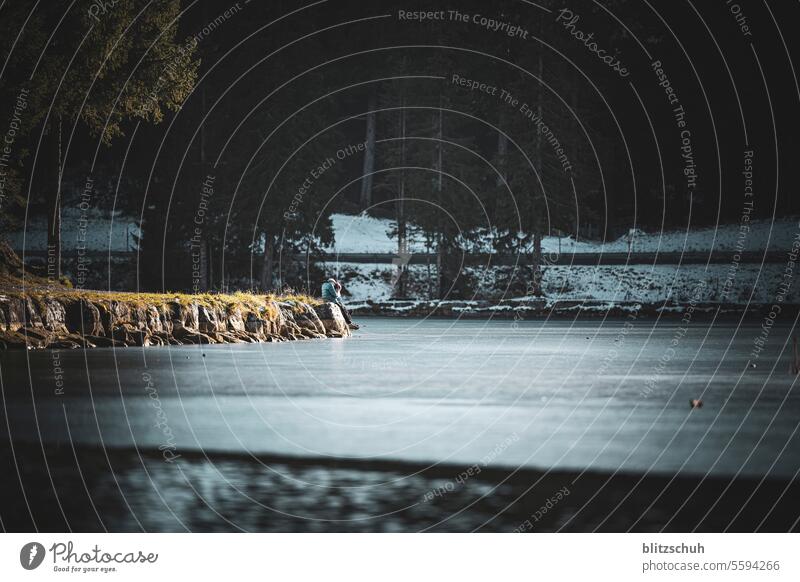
(610, 398)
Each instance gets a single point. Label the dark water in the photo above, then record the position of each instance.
(411, 425)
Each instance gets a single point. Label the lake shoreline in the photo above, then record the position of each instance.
(61, 318)
(543, 308)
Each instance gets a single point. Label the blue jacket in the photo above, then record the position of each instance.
(329, 292)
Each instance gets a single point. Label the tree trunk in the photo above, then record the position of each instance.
(428, 248)
(540, 114)
(203, 127)
(52, 189)
(267, 264)
(536, 281)
(402, 244)
(369, 156)
(440, 292)
(502, 153)
(502, 169)
(440, 262)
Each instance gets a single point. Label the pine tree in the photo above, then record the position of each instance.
(101, 70)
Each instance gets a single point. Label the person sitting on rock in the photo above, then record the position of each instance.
(332, 292)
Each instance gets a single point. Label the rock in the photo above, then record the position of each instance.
(12, 340)
(40, 320)
(180, 331)
(287, 319)
(190, 317)
(172, 312)
(306, 317)
(254, 324)
(83, 317)
(138, 317)
(165, 318)
(131, 335)
(186, 315)
(225, 337)
(208, 319)
(70, 341)
(33, 337)
(202, 338)
(274, 315)
(113, 313)
(289, 328)
(104, 342)
(14, 313)
(303, 317)
(187, 335)
(152, 319)
(126, 333)
(235, 320)
(64, 344)
(161, 338)
(80, 340)
(142, 338)
(32, 316)
(330, 315)
(54, 316)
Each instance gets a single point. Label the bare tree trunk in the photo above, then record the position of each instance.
(402, 244)
(428, 247)
(267, 264)
(536, 282)
(440, 262)
(575, 128)
(536, 286)
(369, 156)
(52, 185)
(439, 265)
(502, 153)
(540, 113)
(203, 126)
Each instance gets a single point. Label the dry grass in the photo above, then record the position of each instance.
(299, 297)
(39, 290)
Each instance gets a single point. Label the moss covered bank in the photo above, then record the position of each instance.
(62, 318)
(36, 313)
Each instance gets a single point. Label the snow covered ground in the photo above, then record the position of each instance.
(760, 235)
(645, 283)
(103, 232)
(729, 283)
(365, 234)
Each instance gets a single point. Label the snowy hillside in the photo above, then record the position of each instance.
(365, 234)
(647, 283)
(104, 232)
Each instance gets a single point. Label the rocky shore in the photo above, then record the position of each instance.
(62, 318)
(545, 308)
